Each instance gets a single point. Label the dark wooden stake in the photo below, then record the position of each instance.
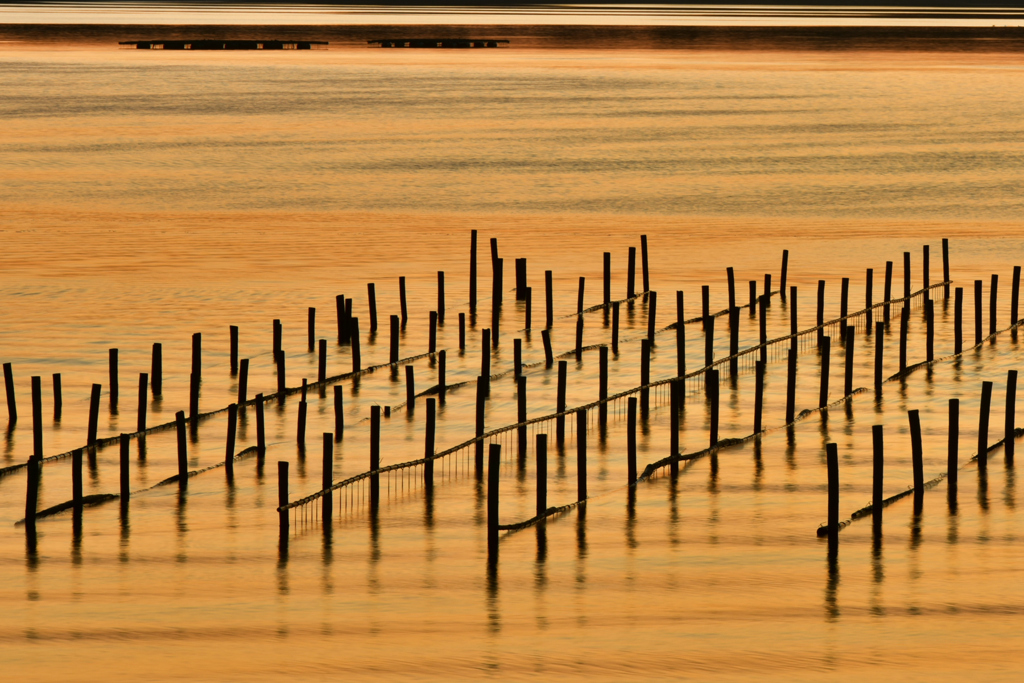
(442, 362)
(767, 296)
(646, 264)
(906, 275)
(549, 294)
(493, 470)
(485, 359)
(886, 310)
(615, 328)
(579, 295)
(371, 295)
(916, 449)
(311, 328)
(844, 304)
(124, 479)
(193, 395)
(517, 358)
(339, 305)
(356, 354)
(675, 389)
(394, 338)
(321, 369)
(402, 301)
(652, 316)
(926, 270)
(278, 332)
(472, 271)
(631, 274)
(785, 271)
(758, 394)
(645, 378)
(197, 355)
(709, 343)
(712, 380)
(680, 336)
(752, 304)
(34, 474)
(542, 473)
(904, 324)
(563, 368)
(282, 498)
(374, 457)
(607, 278)
(179, 421)
(1010, 425)
(58, 396)
(233, 348)
(945, 265)
(428, 445)
(432, 333)
(440, 297)
(730, 277)
(229, 449)
(37, 416)
(763, 329)
(977, 313)
(878, 471)
(793, 325)
(826, 352)
(791, 387)
(520, 279)
(986, 404)
(879, 339)
(1015, 296)
(953, 457)
(94, 414)
(602, 386)
(528, 317)
(479, 455)
(579, 338)
(243, 381)
(848, 384)
(140, 425)
(549, 357)
(410, 389)
(261, 430)
(281, 376)
(114, 391)
(992, 301)
(705, 305)
(339, 413)
(521, 419)
(156, 375)
(327, 480)
(497, 288)
(958, 321)
(631, 440)
(820, 318)
(300, 430)
(734, 342)
(76, 479)
(832, 459)
(869, 283)
(929, 319)
(462, 331)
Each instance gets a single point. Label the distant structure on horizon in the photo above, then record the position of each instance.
(226, 44)
(437, 42)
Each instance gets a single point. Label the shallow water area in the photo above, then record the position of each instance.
(147, 197)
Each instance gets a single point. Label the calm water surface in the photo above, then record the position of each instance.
(148, 196)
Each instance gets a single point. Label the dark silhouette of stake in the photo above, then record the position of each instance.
(791, 387)
(497, 288)
(479, 455)
(114, 385)
(785, 271)
(752, 304)
(826, 351)
(528, 317)
(76, 480)
(140, 424)
(869, 283)
(94, 414)
(631, 440)
(1011, 415)
(124, 479)
(494, 250)
(709, 342)
(904, 324)
(645, 378)
(675, 389)
(879, 339)
(992, 301)
(579, 295)
(58, 397)
(281, 377)
(311, 329)
(179, 420)
(767, 295)
(197, 356)
(631, 273)
(493, 470)
(243, 381)
(607, 278)
(646, 264)
(428, 445)
(763, 329)
(229, 449)
(886, 310)
(327, 480)
(848, 384)
(278, 333)
(730, 277)
(705, 306)
(953, 445)
(410, 389)
(560, 403)
(371, 295)
(156, 374)
(680, 336)
(793, 325)
(579, 338)
(820, 318)
(402, 302)
(520, 279)
(321, 369)
(832, 460)
(339, 305)
(652, 316)
(712, 380)
(549, 295)
(440, 297)
(300, 430)
(193, 394)
(916, 449)
(462, 331)
(734, 342)
(926, 269)
(394, 339)
(549, 356)
(929, 320)
(34, 474)
(581, 455)
(432, 334)
(374, 458)
(517, 358)
(602, 386)
(261, 432)
(37, 416)
(986, 404)
(282, 498)
(472, 271)
(442, 362)
(758, 394)
(615, 328)
(844, 305)
(356, 355)
(958, 321)
(945, 265)
(521, 418)
(542, 473)
(977, 313)
(878, 461)
(906, 275)
(233, 348)
(1015, 295)
(339, 413)
(485, 359)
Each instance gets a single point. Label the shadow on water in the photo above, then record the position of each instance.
(832, 581)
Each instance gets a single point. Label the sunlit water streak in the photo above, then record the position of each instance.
(147, 197)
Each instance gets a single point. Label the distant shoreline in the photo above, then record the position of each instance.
(796, 38)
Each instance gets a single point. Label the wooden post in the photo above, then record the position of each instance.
(462, 331)
(428, 445)
(432, 333)
(493, 470)
(926, 270)
(785, 270)
(712, 380)
(520, 279)
(278, 332)
(752, 304)
(517, 358)
(402, 301)
(58, 397)
(563, 367)
(607, 278)
(76, 479)
(709, 343)
(886, 310)
(327, 480)
(371, 295)
(579, 295)
(645, 378)
(140, 424)
(157, 370)
(233, 350)
(631, 440)
(904, 324)
(581, 455)
(549, 357)
(929, 319)
(848, 384)
(479, 456)
(791, 387)
(767, 295)
(542, 473)
(705, 303)
(112, 366)
(472, 271)
(977, 312)
(311, 328)
(758, 394)
(820, 319)
(37, 416)
(763, 329)
(197, 356)
(992, 300)
(826, 351)
(958, 321)
(869, 283)
(675, 389)
(339, 412)
(1015, 295)
(229, 449)
(261, 431)
(282, 497)
(485, 359)
(793, 326)
(442, 382)
(243, 381)
(495, 322)
(844, 305)
(34, 474)
(945, 265)
(879, 339)
(680, 336)
(356, 355)
(374, 457)
(832, 460)
(549, 294)
(878, 471)
(579, 338)
(410, 389)
(1011, 416)
(521, 419)
(953, 457)
(643, 258)
(730, 277)
(179, 420)
(916, 449)
(394, 339)
(300, 430)
(528, 317)
(734, 342)
(124, 479)
(440, 297)
(339, 305)
(986, 403)
(631, 273)
(652, 317)
(193, 394)
(602, 386)
(281, 377)
(498, 277)
(321, 370)
(494, 250)
(94, 414)
(906, 275)
(615, 328)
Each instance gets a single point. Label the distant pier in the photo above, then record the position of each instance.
(226, 44)
(437, 42)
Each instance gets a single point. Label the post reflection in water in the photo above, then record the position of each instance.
(877, 606)
(1010, 489)
(832, 582)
